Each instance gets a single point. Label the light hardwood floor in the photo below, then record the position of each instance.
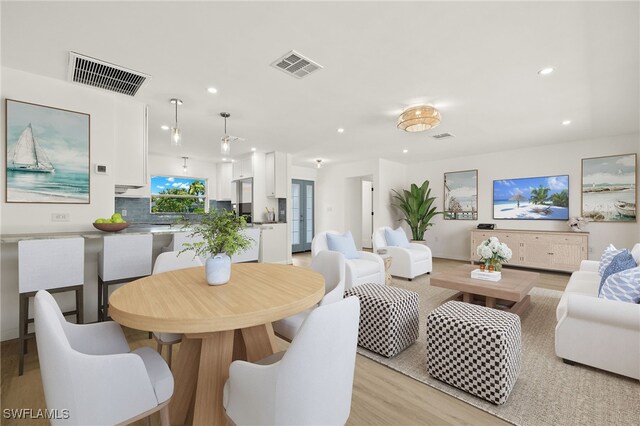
(381, 396)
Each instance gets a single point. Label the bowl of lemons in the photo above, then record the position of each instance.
(114, 224)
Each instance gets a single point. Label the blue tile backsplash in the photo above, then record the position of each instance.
(139, 210)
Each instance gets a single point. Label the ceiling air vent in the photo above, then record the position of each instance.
(442, 136)
(296, 65)
(103, 75)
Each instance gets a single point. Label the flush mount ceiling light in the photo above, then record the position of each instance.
(566, 122)
(419, 118)
(546, 71)
(340, 130)
(176, 138)
(319, 163)
(184, 165)
(212, 90)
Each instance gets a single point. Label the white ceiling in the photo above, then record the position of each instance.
(476, 61)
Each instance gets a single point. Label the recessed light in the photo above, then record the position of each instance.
(340, 130)
(224, 159)
(404, 151)
(164, 127)
(233, 161)
(546, 71)
(253, 149)
(566, 122)
(212, 90)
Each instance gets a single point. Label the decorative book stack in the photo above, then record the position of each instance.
(485, 275)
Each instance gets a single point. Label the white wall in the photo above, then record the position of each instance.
(333, 199)
(304, 173)
(22, 86)
(450, 238)
(392, 176)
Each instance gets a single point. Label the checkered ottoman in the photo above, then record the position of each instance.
(474, 348)
(388, 318)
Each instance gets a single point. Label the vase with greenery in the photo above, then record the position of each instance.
(417, 206)
(221, 235)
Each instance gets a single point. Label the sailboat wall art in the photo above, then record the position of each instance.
(47, 154)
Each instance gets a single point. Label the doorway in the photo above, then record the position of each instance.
(367, 213)
(302, 226)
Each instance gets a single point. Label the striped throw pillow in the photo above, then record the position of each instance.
(623, 286)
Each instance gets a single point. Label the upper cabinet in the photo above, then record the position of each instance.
(223, 182)
(276, 174)
(130, 168)
(243, 168)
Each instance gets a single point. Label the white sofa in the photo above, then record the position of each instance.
(408, 262)
(368, 268)
(597, 332)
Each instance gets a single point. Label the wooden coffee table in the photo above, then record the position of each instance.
(511, 293)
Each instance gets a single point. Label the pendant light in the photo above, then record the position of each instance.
(225, 145)
(176, 138)
(184, 165)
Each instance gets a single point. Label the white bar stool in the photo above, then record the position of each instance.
(123, 258)
(55, 265)
(178, 241)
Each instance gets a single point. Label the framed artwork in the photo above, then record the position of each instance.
(461, 195)
(47, 154)
(533, 198)
(609, 188)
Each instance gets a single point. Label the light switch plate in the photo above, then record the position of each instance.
(59, 217)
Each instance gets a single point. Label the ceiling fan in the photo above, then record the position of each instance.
(225, 142)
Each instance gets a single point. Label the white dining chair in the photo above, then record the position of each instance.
(123, 258)
(89, 374)
(56, 265)
(361, 267)
(332, 266)
(309, 384)
(171, 261)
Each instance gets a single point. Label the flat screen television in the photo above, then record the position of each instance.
(534, 198)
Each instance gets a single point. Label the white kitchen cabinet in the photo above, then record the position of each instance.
(223, 182)
(273, 246)
(276, 174)
(243, 168)
(130, 161)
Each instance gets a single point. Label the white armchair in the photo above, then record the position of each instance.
(366, 268)
(171, 261)
(89, 371)
(408, 262)
(331, 265)
(309, 384)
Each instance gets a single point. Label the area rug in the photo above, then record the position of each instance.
(548, 392)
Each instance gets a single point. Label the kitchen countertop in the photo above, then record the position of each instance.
(93, 234)
(133, 229)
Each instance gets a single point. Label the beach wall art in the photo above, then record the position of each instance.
(47, 154)
(461, 195)
(535, 198)
(609, 188)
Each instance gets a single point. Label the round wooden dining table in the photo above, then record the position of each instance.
(219, 323)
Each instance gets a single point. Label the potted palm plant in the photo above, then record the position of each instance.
(417, 206)
(221, 238)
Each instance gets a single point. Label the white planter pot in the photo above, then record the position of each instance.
(218, 269)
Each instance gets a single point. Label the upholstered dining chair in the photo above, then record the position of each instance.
(332, 266)
(310, 383)
(90, 375)
(408, 259)
(361, 267)
(171, 261)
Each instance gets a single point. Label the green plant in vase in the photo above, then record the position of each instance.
(222, 237)
(416, 204)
